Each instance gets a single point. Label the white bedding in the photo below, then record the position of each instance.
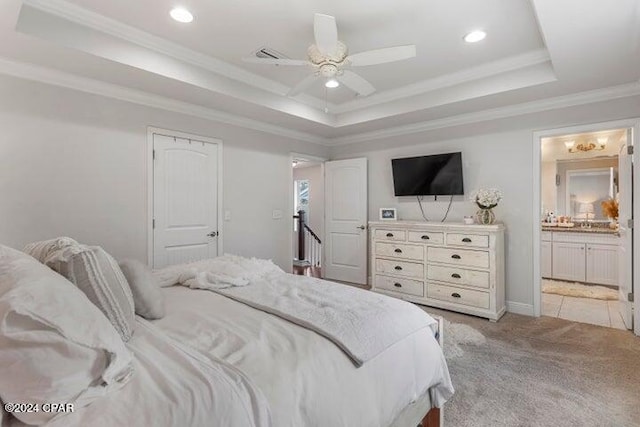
(170, 387)
(212, 361)
(307, 380)
(362, 324)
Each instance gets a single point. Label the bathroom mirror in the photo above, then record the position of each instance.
(586, 189)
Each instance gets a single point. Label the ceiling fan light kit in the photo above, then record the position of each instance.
(332, 62)
(332, 83)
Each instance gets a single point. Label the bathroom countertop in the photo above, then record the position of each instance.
(578, 229)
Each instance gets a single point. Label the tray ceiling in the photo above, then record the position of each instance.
(532, 47)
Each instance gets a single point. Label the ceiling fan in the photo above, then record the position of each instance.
(330, 57)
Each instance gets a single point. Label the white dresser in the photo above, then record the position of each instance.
(452, 266)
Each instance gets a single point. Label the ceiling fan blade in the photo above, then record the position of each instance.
(325, 31)
(275, 61)
(381, 56)
(356, 83)
(304, 84)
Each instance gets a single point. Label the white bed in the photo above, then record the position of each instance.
(214, 361)
(307, 380)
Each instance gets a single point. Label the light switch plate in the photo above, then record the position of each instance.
(277, 214)
(227, 215)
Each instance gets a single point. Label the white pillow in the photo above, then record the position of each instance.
(55, 345)
(53, 251)
(97, 274)
(147, 296)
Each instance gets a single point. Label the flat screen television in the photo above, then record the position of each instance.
(436, 175)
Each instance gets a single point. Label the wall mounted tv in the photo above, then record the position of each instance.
(437, 175)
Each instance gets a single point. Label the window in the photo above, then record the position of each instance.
(301, 197)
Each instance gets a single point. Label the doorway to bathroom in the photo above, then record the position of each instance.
(585, 237)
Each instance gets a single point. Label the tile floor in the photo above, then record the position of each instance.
(584, 310)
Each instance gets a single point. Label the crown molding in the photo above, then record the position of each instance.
(58, 78)
(81, 16)
(512, 63)
(581, 98)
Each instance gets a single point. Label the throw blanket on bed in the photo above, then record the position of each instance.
(361, 323)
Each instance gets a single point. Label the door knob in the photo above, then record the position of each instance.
(362, 227)
(212, 234)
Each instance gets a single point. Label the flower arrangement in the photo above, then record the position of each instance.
(610, 208)
(486, 198)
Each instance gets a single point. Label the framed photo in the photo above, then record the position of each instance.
(388, 214)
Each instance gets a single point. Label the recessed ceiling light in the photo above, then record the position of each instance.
(332, 83)
(181, 14)
(475, 36)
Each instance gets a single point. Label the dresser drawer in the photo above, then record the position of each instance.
(400, 268)
(459, 296)
(399, 250)
(426, 237)
(458, 275)
(473, 240)
(396, 284)
(463, 257)
(394, 235)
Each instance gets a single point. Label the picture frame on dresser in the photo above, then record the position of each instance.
(388, 214)
(452, 266)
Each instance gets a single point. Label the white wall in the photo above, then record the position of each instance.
(316, 195)
(497, 153)
(74, 164)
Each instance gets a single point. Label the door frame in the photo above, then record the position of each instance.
(151, 130)
(634, 124)
(294, 155)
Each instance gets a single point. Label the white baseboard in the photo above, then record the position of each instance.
(520, 308)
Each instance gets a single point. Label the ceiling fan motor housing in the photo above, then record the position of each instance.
(337, 57)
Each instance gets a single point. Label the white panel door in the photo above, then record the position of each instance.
(185, 200)
(602, 264)
(569, 261)
(545, 259)
(625, 213)
(346, 220)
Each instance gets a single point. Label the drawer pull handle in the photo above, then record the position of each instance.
(389, 234)
(398, 251)
(466, 240)
(425, 237)
(455, 295)
(455, 275)
(397, 285)
(397, 267)
(455, 256)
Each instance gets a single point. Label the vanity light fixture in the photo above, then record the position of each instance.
(586, 146)
(475, 36)
(181, 14)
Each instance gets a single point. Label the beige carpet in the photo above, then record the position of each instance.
(526, 372)
(575, 289)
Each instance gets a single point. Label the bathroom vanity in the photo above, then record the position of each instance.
(581, 255)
